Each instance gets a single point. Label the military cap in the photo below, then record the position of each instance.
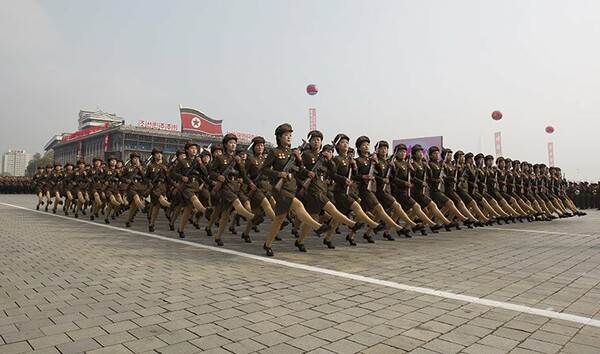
(96, 159)
(500, 158)
(458, 153)
(488, 157)
(134, 154)
(157, 150)
(516, 162)
(552, 168)
(536, 166)
(189, 144)
(361, 139)
(69, 164)
(57, 164)
(328, 147)
(445, 152)
(400, 147)
(283, 128)
(216, 147)
(40, 167)
(382, 143)
(179, 152)
(339, 138)
(48, 166)
(205, 153)
(258, 140)
(433, 149)
(240, 150)
(314, 134)
(508, 160)
(415, 148)
(542, 165)
(479, 156)
(112, 157)
(227, 137)
(468, 155)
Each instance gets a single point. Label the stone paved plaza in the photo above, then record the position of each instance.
(70, 285)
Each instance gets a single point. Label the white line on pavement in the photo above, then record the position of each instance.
(444, 294)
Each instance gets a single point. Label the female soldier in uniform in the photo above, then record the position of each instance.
(225, 170)
(343, 196)
(460, 187)
(401, 184)
(365, 177)
(434, 180)
(314, 196)
(417, 190)
(189, 173)
(278, 167)
(156, 175)
(383, 174)
(259, 198)
(112, 180)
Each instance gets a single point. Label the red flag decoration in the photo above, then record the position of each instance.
(196, 121)
(550, 154)
(105, 142)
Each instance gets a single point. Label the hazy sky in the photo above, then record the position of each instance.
(385, 69)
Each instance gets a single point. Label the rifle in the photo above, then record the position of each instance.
(371, 185)
(289, 166)
(227, 171)
(388, 175)
(155, 180)
(317, 167)
(410, 167)
(182, 185)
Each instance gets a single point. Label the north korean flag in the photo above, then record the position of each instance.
(196, 121)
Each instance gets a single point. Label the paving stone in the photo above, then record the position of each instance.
(78, 346)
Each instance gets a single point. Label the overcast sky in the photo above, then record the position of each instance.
(385, 69)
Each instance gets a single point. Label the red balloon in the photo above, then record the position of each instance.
(312, 89)
(549, 129)
(496, 115)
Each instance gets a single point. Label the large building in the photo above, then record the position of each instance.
(103, 138)
(88, 119)
(14, 162)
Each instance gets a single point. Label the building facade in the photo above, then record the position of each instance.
(15, 162)
(102, 135)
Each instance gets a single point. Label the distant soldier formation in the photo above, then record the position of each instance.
(316, 187)
(16, 185)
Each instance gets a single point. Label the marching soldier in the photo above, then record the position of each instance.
(156, 175)
(365, 178)
(344, 195)
(189, 173)
(401, 184)
(133, 175)
(260, 198)
(280, 166)
(313, 192)
(39, 184)
(435, 179)
(418, 189)
(112, 179)
(225, 169)
(383, 174)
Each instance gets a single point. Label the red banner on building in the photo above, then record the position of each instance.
(312, 118)
(105, 142)
(498, 144)
(196, 121)
(84, 132)
(550, 154)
